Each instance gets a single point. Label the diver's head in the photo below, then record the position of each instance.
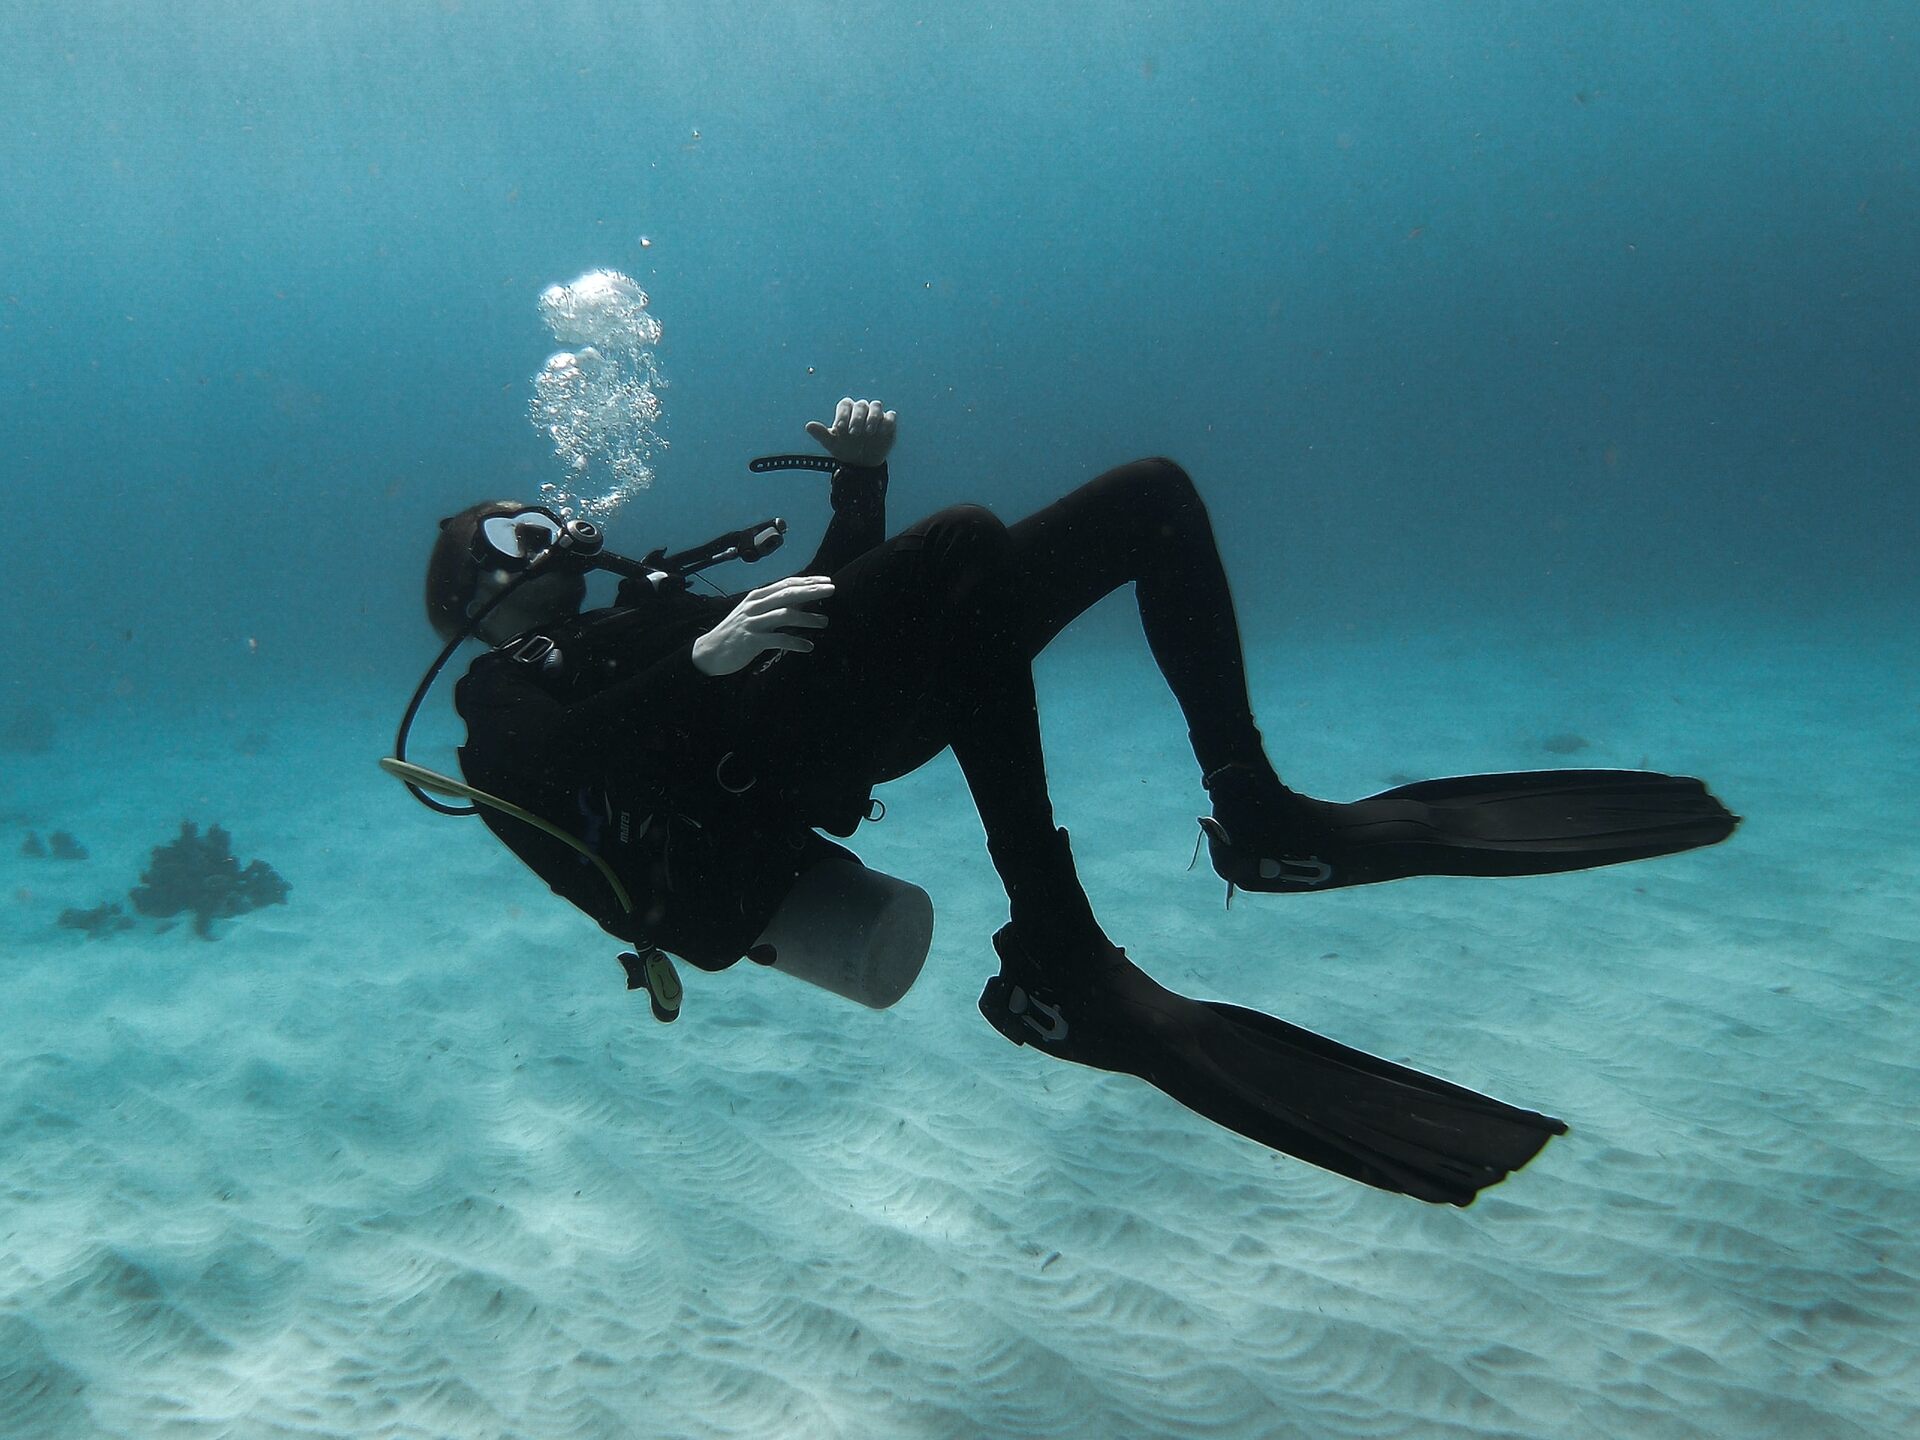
(488, 548)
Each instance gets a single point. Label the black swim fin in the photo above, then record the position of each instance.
(1267, 838)
(1290, 1089)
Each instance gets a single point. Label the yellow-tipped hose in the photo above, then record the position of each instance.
(438, 784)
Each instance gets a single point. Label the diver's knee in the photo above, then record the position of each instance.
(972, 517)
(972, 529)
(1155, 485)
(1160, 473)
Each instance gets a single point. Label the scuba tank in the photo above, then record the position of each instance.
(858, 932)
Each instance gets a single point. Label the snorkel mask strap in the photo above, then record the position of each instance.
(548, 560)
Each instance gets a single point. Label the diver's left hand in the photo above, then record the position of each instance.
(862, 433)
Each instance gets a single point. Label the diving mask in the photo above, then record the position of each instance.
(517, 541)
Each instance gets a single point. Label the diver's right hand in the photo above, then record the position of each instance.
(764, 620)
(861, 434)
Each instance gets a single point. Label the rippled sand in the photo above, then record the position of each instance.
(403, 1158)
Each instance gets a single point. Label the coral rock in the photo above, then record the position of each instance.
(198, 874)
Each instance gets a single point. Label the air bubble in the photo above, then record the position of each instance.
(600, 404)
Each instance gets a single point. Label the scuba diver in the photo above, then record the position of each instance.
(668, 763)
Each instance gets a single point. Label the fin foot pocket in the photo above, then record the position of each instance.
(1289, 1089)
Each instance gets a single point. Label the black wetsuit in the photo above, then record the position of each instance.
(706, 793)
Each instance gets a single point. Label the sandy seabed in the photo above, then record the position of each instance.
(403, 1158)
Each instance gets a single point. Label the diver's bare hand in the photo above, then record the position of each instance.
(862, 433)
(764, 620)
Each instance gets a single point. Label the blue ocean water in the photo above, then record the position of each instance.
(1549, 372)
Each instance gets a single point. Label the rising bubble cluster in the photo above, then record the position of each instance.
(599, 402)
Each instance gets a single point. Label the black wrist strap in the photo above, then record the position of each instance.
(792, 462)
(852, 484)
